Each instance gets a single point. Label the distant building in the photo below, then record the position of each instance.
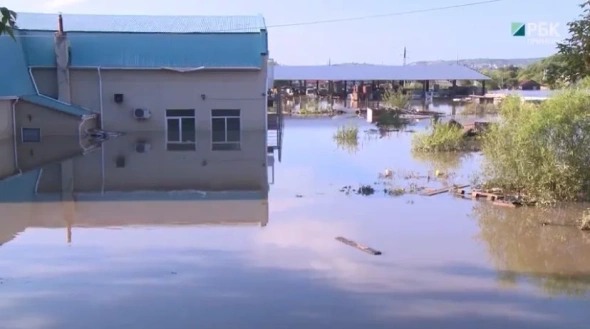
(529, 85)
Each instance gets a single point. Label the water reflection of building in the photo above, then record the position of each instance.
(137, 179)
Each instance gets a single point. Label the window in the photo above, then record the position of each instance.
(180, 130)
(31, 135)
(225, 129)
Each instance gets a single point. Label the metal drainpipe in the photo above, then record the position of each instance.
(14, 133)
(102, 152)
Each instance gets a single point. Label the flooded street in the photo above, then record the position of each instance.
(132, 250)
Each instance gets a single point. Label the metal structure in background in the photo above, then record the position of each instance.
(274, 132)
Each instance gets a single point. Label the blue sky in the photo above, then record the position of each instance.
(468, 32)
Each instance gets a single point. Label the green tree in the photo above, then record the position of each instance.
(7, 21)
(575, 50)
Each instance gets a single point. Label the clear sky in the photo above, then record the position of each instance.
(468, 32)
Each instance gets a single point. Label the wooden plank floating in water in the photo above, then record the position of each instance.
(506, 204)
(358, 246)
(489, 196)
(431, 192)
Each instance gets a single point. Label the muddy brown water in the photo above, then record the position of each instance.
(168, 260)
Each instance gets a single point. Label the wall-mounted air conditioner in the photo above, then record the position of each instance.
(142, 147)
(142, 114)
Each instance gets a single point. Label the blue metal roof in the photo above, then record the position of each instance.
(56, 105)
(130, 50)
(140, 23)
(364, 72)
(14, 75)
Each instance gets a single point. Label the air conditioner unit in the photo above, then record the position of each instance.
(142, 147)
(142, 114)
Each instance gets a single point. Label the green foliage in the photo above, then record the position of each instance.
(442, 138)
(502, 78)
(541, 151)
(7, 21)
(575, 49)
(546, 71)
(396, 99)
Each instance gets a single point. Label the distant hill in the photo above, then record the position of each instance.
(485, 63)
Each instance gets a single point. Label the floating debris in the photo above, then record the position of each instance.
(366, 190)
(431, 192)
(358, 246)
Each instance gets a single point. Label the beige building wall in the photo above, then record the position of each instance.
(6, 126)
(51, 149)
(124, 169)
(51, 122)
(159, 90)
(7, 164)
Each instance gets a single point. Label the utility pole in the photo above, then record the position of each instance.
(405, 55)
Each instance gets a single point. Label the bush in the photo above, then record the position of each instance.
(541, 151)
(442, 138)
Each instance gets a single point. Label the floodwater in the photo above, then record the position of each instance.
(113, 257)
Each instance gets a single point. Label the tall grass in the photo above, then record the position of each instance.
(347, 138)
(442, 138)
(541, 151)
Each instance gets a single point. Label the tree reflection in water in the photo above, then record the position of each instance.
(444, 161)
(553, 256)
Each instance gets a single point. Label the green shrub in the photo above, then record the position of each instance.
(541, 151)
(395, 99)
(442, 138)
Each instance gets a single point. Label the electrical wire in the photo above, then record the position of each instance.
(317, 22)
(401, 13)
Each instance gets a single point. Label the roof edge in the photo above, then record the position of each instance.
(261, 31)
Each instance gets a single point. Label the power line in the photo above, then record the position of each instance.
(401, 13)
(327, 21)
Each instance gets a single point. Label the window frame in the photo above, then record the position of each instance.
(22, 135)
(180, 145)
(226, 117)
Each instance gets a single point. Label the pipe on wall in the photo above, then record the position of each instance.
(102, 151)
(14, 133)
(100, 101)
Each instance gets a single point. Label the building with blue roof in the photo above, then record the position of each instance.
(74, 74)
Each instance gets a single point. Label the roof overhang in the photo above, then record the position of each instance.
(377, 72)
(175, 69)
